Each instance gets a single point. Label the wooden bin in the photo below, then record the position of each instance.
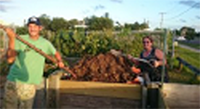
(78, 94)
(181, 95)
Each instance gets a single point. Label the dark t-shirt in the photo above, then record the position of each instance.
(155, 74)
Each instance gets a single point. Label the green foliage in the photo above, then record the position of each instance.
(188, 32)
(22, 30)
(76, 44)
(59, 24)
(99, 23)
(136, 26)
(49, 35)
(170, 39)
(73, 22)
(45, 21)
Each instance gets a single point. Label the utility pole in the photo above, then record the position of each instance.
(162, 17)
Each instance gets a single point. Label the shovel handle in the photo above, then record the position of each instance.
(40, 52)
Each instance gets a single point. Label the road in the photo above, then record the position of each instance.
(190, 48)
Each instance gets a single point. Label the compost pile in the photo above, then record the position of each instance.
(103, 68)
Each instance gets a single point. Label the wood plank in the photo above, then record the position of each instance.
(161, 102)
(53, 94)
(182, 95)
(1, 97)
(75, 101)
(117, 90)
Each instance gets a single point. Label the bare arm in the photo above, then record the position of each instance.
(11, 53)
(131, 58)
(159, 54)
(59, 60)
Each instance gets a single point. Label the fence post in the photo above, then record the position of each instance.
(53, 85)
(164, 54)
(180, 66)
(173, 41)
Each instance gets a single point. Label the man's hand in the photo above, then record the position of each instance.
(11, 53)
(2, 27)
(11, 34)
(60, 64)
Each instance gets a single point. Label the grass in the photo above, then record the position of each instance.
(184, 75)
(191, 57)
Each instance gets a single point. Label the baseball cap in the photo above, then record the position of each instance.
(34, 20)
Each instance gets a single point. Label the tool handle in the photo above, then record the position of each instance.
(40, 52)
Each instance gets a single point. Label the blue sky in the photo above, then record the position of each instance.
(176, 13)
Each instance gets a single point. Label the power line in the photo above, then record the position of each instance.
(183, 12)
(172, 9)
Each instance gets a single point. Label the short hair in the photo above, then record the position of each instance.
(148, 37)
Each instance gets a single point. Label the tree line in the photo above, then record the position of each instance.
(94, 23)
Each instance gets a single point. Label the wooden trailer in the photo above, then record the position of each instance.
(81, 94)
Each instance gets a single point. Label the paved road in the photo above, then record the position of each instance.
(190, 48)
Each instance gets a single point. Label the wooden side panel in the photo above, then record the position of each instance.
(53, 92)
(77, 101)
(182, 96)
(116, 90)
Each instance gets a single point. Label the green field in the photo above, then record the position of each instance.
(185, 75)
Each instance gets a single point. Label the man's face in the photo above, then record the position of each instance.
(34, 29)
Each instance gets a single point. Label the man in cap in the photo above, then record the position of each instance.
(27, 68)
